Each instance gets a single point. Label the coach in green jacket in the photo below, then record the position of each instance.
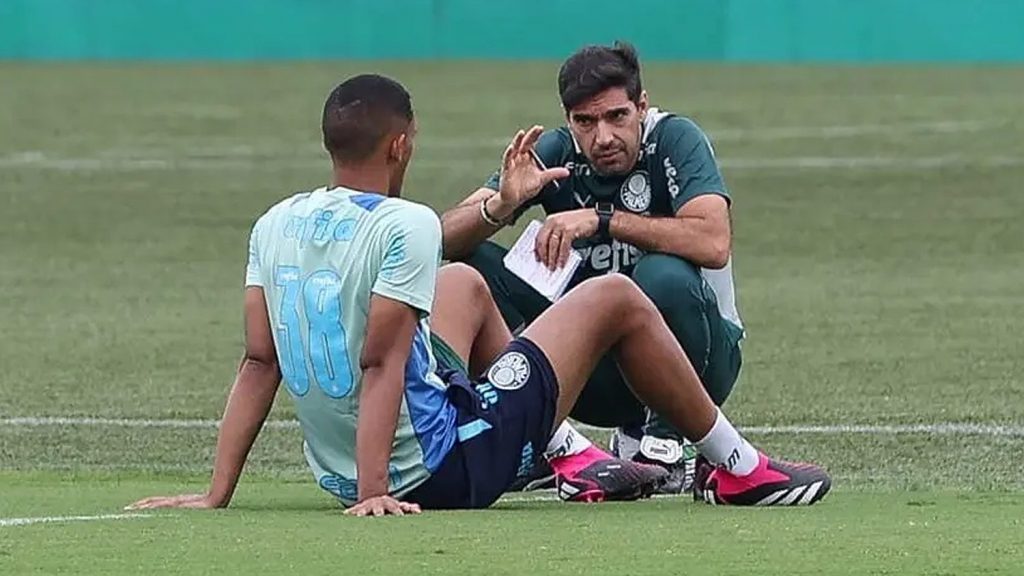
(644, 197)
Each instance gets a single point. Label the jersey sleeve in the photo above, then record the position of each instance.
(253, 275)
(551, 147)
(412, 254)
(689, 162)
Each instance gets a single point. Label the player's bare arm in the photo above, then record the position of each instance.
(481, 214)
(389, 334)
(248, 404)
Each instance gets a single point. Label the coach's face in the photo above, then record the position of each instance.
(608, 128)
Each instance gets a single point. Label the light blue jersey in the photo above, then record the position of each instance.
(319, 257)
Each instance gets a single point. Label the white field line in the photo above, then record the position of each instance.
(1011, 430)
(228, 156)
(6, 522)
(32, 422)
(898, 163)
(773, 133)
(39, 160)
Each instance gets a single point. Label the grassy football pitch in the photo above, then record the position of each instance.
(879, 255)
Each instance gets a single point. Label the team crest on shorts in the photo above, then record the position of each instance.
(510, 372)
(636, 192)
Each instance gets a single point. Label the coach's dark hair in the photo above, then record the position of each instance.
(360, 112)
(594, 69)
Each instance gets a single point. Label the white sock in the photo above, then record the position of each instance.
(566, 441)
(724, 447)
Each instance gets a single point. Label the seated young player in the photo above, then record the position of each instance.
(339, 285)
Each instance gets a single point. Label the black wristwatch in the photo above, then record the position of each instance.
(604, 210)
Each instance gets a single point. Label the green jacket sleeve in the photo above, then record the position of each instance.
(689, 162)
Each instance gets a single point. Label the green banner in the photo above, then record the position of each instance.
(714, 30)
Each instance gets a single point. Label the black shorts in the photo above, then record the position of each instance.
(504, 423)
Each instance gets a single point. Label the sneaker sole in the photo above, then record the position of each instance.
(641, 492)
(802, 495)
(542, 483)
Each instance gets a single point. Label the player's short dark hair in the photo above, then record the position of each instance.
(360, 112)
(594, 69)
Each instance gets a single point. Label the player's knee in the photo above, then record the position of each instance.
(464, 279)
(623, 300)
(669, 281)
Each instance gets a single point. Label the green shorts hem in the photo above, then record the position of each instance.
(447, 359)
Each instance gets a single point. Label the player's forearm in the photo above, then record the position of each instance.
(464, 227)
(379, 404)
(248, 405)
(702, 241)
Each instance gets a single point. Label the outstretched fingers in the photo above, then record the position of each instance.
(531, 138)
(512, 150)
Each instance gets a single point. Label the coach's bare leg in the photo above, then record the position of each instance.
(611, 313)
(466, 317)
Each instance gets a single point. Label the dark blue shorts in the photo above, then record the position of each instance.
(504, 423)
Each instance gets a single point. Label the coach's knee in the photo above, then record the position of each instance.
(669, 281)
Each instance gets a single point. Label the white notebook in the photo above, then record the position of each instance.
(522, 262)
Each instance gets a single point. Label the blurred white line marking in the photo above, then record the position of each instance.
(229, 155)
(940, 428)
(38, 160)
(5, 522)
(860, 162)
(770, 133)
(126, 422)
(848, 131)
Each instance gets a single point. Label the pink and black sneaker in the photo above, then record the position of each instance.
(595, 476)
(772, 483)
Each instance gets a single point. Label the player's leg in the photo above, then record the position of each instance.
(466, 321)
(518, 303)
(605, 402)
(690, 309)
(466, 318)
(611, 313)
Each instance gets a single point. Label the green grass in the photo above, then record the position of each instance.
(280, 527)
(883, 289)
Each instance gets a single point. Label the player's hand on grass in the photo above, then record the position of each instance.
(554, 241)
(183, 501)
(382, 506)
(522, 177)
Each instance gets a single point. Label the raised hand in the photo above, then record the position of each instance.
(522, 177)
